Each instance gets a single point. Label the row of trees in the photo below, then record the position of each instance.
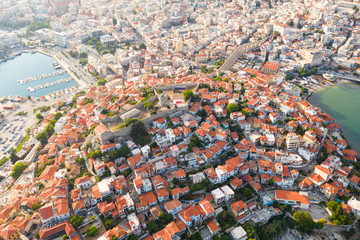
(303, 72)
(49, 129)
(18, 169)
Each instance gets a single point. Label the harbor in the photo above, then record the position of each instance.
(48, 84)
(34, 74)
(38, 77)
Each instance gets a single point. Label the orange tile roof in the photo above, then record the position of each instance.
(290, 195)
(213, 226)
(65, 226)
(9, 232)
(187, 213)
(172, 204)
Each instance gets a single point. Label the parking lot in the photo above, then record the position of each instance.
(317, 212)
(11, 133)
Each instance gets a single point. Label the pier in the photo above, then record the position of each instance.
(38, 77)
(48, 84)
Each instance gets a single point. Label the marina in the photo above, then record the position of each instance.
(33, 74)
(38, 77)
(48, 84)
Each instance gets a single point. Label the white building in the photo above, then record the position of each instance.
(239, 233)
(219, 196)
(313, 56)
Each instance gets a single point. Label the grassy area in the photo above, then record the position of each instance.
(19, 147)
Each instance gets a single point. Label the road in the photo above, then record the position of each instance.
(339, 75)
(67, 62)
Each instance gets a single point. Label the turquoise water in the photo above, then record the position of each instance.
(30, 65)
(342, 102)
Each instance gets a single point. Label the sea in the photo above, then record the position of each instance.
(342, 102)
(29, 65)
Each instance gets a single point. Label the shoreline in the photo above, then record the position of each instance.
(79, 83)
(337, 120)
(64, 66)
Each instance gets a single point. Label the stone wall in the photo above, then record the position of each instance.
(125, 132)
(172, 86)
(117, 119)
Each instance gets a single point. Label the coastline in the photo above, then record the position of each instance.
(324, 104)
(64, 66)
(79, 84)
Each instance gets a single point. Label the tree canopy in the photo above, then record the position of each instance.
(339, 216)
(139, 134)
(149, 105)
(232, 107)
(76, 220)
(18, 169)
(101, 82)
(305, 221)
(42, 137)
(92, 231)
(188, 94)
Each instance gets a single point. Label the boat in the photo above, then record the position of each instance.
(329, 77)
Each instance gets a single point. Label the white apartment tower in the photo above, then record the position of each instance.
(292, 142)
(312, 56)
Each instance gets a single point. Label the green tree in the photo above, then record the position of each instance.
(142, 46)
(232, 107)
(226, 220)
(339, 216)
(13, 157)
(218, 78)
(130, 121)
(188, 94)
(3, 161)
(139, 134)
(101, 82)
(245, 112)
(195, 236)
(49, 129)
(109, 223)
(36, 206)
(133, 237)
(83, 55)
(274, 229)
(152, 227)
(289, 77)
(248, 193)
(305, 220)
(64, 237)
(313, 70)
(73, 54)
(303, 72)
(149, 105)
(39, 116)
(42, 137)
(76, 220)
(18, 169)
(92, 231)
(57, 116)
